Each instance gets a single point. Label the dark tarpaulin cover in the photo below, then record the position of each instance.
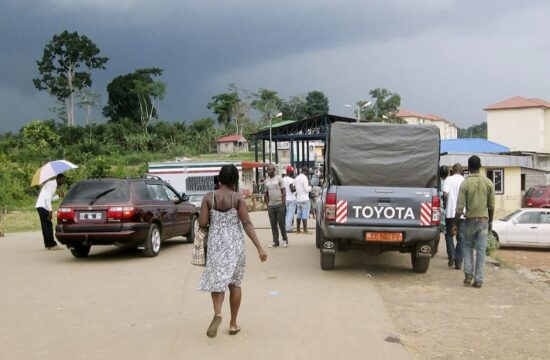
(380, 154)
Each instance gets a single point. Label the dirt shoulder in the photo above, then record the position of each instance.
(439, 318)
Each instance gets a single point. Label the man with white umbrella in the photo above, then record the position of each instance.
(44, 207)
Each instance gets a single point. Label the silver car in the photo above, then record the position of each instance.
(196, 199)
(527, 227)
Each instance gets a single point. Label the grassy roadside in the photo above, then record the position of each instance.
(19, 221)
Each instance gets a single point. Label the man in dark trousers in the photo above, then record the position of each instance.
(44, 208)
(275, 196)
(477, 194)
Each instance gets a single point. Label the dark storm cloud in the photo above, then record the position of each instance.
(199, 44)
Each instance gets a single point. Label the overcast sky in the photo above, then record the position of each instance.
(451, 58)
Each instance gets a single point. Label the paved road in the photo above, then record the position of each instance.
(116, 304)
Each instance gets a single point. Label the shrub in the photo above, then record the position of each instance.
(492, 244)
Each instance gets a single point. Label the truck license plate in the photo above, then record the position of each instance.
(90, 216)
(383, 236)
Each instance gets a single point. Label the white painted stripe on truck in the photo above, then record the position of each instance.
(342, 212)
(425, 214)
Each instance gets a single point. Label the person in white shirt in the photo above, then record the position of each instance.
(451, 189)
(290, 190)
(44, 208)
(302, 199)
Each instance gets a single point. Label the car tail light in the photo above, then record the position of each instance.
(436, 210)
(330, 207)
(119, 213)
(65, 215)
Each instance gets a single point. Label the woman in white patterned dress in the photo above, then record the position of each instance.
(223, 211)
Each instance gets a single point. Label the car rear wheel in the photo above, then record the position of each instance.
(80, 251)
(194, 228)
(152, 244)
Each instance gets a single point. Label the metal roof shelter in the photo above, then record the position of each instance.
(471, 145)
(299, 132)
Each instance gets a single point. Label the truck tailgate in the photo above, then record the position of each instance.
(384, 206)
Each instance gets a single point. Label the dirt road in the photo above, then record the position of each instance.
(117, 305)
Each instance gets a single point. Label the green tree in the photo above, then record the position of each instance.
(147, 93)
(88, 99)
(316, 103)
(474, 131)
(58, 68)
(123, 100)
(384, 108)
(40, 136)
(267, 102)
(204, 135)
(224, 105)
(295, 108)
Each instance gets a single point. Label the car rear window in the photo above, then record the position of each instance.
(538, 193)
(100, 191)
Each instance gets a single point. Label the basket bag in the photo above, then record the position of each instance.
(198, 256)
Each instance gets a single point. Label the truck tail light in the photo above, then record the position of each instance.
(436, 210)
(65, 215)
(119, 213)
(330, 207)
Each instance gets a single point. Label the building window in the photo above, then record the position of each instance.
(497, 177)
(522, 182)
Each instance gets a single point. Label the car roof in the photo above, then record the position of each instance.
(160, 181)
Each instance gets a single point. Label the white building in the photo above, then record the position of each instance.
(521, 124)
(447, 129)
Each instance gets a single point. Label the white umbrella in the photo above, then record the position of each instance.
(50, 170)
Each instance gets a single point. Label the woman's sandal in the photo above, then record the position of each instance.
(234, 331)
(213, 328)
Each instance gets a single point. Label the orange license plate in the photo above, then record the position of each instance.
(383, 236)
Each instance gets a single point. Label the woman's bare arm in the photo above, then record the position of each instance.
(249, 227)
(204, 215)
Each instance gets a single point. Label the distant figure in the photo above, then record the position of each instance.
(224, 211)
(261, 191)
(44, 208)
(315, 183)
(443, 174)
(254, 187)
(275, 195)
(451, 189)
(302, 200)
(290, 190)
(477, 195)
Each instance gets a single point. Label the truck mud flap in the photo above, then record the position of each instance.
(424, 250)
(329, 247)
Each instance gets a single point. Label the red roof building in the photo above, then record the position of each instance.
(447, 129)
(231, 144)
(518, 102)
(522, 124)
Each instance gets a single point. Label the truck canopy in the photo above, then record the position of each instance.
(379, 154)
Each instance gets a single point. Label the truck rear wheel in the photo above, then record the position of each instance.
(327, 261)
(317, 235)
(419, 264)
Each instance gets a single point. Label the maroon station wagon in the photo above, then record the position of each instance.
(123, 212)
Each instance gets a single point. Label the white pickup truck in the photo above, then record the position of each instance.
(380, 191)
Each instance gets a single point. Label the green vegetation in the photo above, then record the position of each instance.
(474, 131)
(492, 244)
